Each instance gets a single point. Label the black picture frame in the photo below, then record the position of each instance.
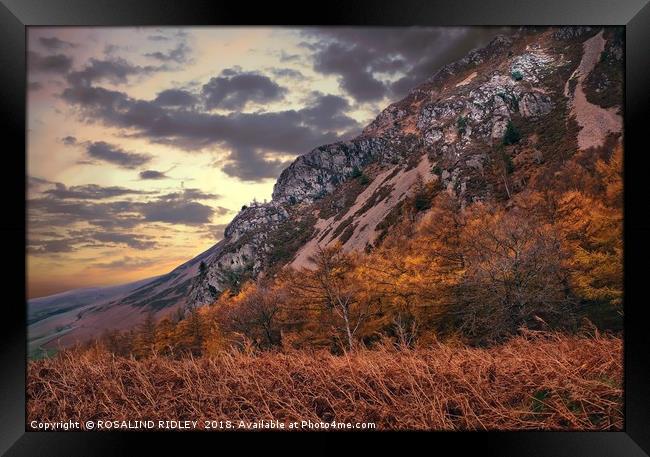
(16, 15)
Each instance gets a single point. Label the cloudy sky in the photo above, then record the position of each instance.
(143, 143)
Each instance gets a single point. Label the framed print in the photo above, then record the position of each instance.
(385, 217)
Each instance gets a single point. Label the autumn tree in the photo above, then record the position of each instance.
(610, 175)
(592, 226)
(513, 274)
(594, 234)
(330, 288)
(165, 342)
(416, 266)
(254, 313)
(144, 342)
(213, 340)
(119, 343)
(189, 333)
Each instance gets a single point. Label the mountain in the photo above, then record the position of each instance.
(53, 316)
(546, 93)
(81, 314)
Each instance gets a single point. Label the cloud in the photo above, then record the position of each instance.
(105, 152)
(234, 89)
(48, 211)
(328, 112)
(373, 63)
(36, 183)
(286, 57)
(90, 192)
(152, 174)
(111, 49)
(131, 240)
(54, 43)
(177, 212)
(214, 231)
(347, 61)
(179, 54)
(158, 38)
(113, 70)
(175, 97)
(74, 239)
(284, 132)
(56, 63)
(126, 262)
(63, 206)
(288, 73)
(248, 165)
(33, 86)
(91, 221)
(221, 211)
(253, 139)
(55, 246)
(181, 208)
(190, 194)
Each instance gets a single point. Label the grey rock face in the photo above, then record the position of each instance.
(535, 104)
(499, 45)
(568, 33)
(317, 173)
(243, 253)
(482, 113)
(253, 216)
(436, 115)
(531, 65)
(386, 119)
(487, 107)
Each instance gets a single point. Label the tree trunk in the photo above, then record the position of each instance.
(347, 329)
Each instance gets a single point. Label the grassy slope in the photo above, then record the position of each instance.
(535, 382)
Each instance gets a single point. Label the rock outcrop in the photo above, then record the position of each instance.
(318, 173)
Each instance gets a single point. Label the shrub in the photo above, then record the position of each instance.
(421, 202)
(423, 195)
(461, 123)
(356, 173)
(517, 75)
(511, 135)
(604, 56)
(359, 176)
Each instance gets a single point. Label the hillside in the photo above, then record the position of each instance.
(503, 120)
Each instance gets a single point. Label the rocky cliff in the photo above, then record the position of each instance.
(448, 129)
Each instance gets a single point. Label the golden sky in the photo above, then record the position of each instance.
(143, 143)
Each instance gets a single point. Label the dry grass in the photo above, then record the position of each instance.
(532, 382)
